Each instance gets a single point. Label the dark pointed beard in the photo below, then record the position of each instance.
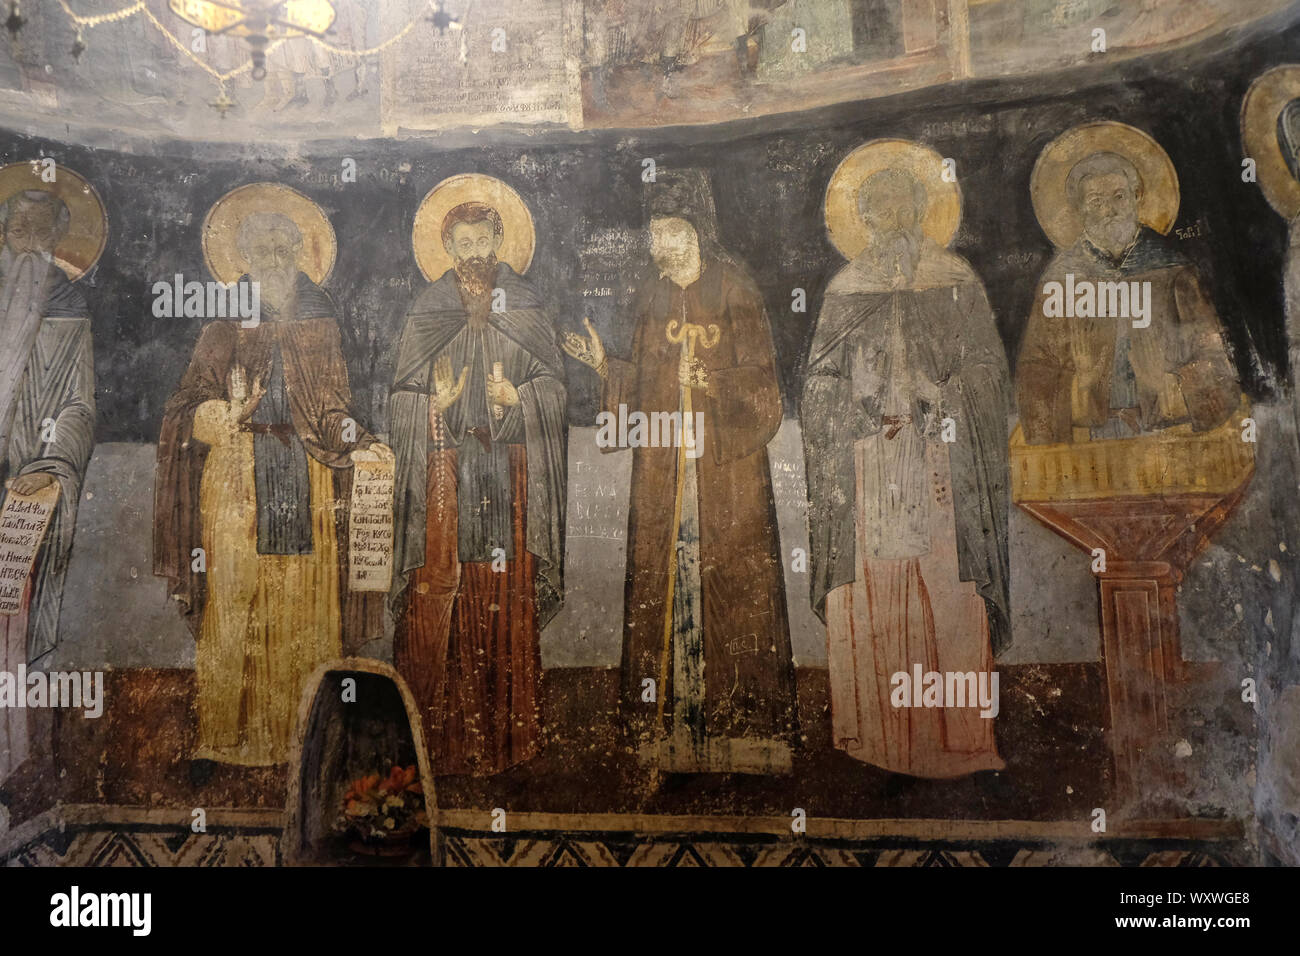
(476, 273)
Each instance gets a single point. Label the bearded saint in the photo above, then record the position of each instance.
(480, 497)
(256, 449)
(47, 421)
(705, 613)
(1099, 378)
(908, 531)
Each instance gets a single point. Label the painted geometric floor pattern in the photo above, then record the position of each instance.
(128, 845)
(465, 848)
(134, 845)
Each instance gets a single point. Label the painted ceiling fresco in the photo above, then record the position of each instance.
(404, 66)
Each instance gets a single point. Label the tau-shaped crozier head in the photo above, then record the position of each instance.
(270, 243)
(1104, 189)
(34, 221)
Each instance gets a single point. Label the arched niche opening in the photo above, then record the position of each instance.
(356, 719)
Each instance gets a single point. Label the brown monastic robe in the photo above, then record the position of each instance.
(319, 396)
(748, 672)
(235, 606)
(1072, 374)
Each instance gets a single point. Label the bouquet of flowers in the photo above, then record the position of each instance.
(379, 809)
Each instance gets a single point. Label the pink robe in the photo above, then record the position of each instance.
(897, 613)
(884, 513)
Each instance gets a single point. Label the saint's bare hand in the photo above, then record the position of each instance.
(446, 391)
(588, 352)
(691, 373)
(502, 392)
(29, 484)
(377, 451)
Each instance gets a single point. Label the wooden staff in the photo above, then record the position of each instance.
(686, 334)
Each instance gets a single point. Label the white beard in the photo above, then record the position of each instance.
(276, 288)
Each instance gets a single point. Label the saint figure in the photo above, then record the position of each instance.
(1270, 121)
(1123, 338)
(904, 419)
(47, 424)
(254, 469)
(707, 675)
(477, 414)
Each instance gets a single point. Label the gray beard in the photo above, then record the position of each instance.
(15, 292)
(276, 288)
(1113, 237)
(897, 249)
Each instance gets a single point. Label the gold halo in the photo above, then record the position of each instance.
(943, 199)
(88, 230)
(1158, 206)
(426, 235)
(221, 226)
(1259, 111)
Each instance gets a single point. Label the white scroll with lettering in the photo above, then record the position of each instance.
(23, 522)
(370, 526)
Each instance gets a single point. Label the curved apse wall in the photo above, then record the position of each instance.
(170, 737)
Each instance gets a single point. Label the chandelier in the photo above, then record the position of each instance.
(258, 21)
